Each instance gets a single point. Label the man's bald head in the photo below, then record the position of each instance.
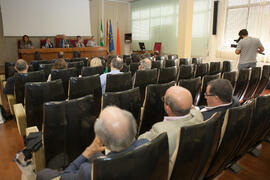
(116, 128)
(145, 64)
(179, 100)
(21, 66)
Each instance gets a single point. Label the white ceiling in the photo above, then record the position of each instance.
(122, 0)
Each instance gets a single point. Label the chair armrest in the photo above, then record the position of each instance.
(11, 102)
(38, 157)
(20, 118)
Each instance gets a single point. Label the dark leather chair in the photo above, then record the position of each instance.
(186, 71)
(157, 64)
(118, 82)
(84, 59)
(192, 161)
(196, 60)
(64, 75)
(68, 130)
(231, 76)
(214, 68)
(264, 80)
(142, 78)
(201, 69)
(194, 86)
(172, 57)
(46, 68)
(183, 61)
(226, 66)
(170, 63)
(150, 161)
(166, 75)
(125, 68)
(22, 78)
(133, 67)
(127, 59)
(35, 64)
(89, 71)
(37, 93)
(253, 82)
(241, 83)
(128, 100)
(9, 69)
(78, 65)
(153, 107)
(236, 122)
(82, 86)
(205, 80)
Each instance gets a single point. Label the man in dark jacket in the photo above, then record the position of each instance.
(21, 67)
(219, 97)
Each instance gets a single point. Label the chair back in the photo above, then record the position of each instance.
(134, 67)
(194, 86)
(68, 130)
(37, 93)
(125, 68)
(201, 69)
(149, 161)
(144, 78)
(46, 68)
(183, 61)
(235, 125)
(78, 65)
(128, 100)
(35, 64)
(9, 69)
(157, 64)
(84, 59)
(21, 79)
(170, 63)
(226, 66)
(264, 80)
(64, 75)
(231, 76)
(253, 82)
(196, 60)
(118, 82)
(192, 161)
(166, 75)
(153, 107)
(90, 71)
(186, 71)
(214, 68)
(241, 83)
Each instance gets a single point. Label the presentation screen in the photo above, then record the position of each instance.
(46, 17)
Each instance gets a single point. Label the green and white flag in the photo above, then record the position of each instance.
(101, 43)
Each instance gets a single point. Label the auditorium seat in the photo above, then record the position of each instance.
(191, 160)
(84, 59)
(82, 86)
(264, 80)
(231, 76)
(125, 68)
(46, 68)
(153, 107)
(128, 100)
(118, 82)
(36, 93)
(194, 86)
(234, 129)
(201, 69)
(134, 67)
(172, 57)
(22, 78)
(214, 68)
(142, 78)
(196, 60)
(226, 66)
(68, 130)
(253, 82)
(127, 59)
(89, 71)
(183, 61)
(78, 65)
(9, 69)
(166, 75)
(150, 161)
(35, 64)
(157, 64)
(186, 71)
(64, 75)
(241, 83)
(170, 63)
(205, 80)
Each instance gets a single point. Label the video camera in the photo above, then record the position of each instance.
(236, 40)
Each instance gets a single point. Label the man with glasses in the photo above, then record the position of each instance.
(178, 106)
(219, 97)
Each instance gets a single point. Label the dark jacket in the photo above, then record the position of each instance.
(9, 88)
(208, 113)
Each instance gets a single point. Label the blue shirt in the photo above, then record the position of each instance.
(103, 79)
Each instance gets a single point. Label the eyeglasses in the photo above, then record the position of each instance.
(205, 94)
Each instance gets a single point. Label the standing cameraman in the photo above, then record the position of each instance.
(248, 47)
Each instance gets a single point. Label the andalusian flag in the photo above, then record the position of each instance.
(101, 43)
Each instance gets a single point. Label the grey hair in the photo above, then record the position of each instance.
(176, 109)
(21, 65)
(117, 63)
(110, 139)
(95, 62)
(145, 65)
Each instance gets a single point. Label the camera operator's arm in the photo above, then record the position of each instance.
(237, 51)
(261, 49)
(238, 48)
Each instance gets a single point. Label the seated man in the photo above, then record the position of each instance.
(116, 66)
(60, 54)
(219, 97)
(177, 104)
(91, 42)
(115, 130)
(145, 64)
(21, 67)
(64, 42)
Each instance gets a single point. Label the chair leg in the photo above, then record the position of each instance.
(235, 168)
(255, 152)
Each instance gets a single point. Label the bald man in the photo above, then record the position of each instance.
(145, 64)
(115, 131)
(177, 105)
